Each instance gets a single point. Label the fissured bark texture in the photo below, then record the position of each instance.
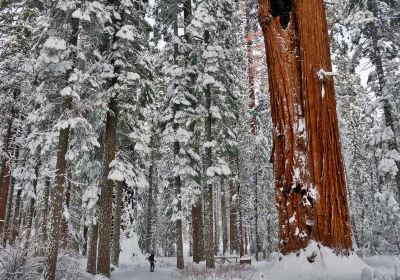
(308, 164)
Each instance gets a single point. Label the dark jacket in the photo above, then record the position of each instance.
(151, 258)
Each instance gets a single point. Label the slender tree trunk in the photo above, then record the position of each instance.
(91, 266)
(44, 212)
(209, 221)
(310, 181)
(177, 178)
(106, 196)
(198, 248)
(216, 224)
(232, 219)
(31, 209)
(7, 222)
(116, 246)
(16, 217)
(64, 236)
(387, 108)
(241, 232)
(5, 173)
(150, 203)
(57, 194)
(256, 236)
(253, 122)
(224, 219)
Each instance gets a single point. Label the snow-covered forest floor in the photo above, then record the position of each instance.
(326, 266)
(380, 268)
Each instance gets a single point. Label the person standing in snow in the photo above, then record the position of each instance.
(152, 261)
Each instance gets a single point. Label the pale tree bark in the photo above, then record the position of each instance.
(216, 224)
(233, 246)
(116, 246)
(308, 165)
(224, 219)
(64, 236)
(250, 34)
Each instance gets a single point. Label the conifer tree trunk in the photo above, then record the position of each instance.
(31, 209)
(198, 248)
(116, 246)
(44, 213)
(57, 193)
(209, 201)
(64, 238)
(5, 164)
(253, 121)
(232, 219)
(7, 221)
(106, 196)
(91, 266)
(16, 217)
(308, 165)
(216, 225)
(177, 178)
(241, 231)
(387, 108)
(224, 219)
(256, 236)
(150, 202)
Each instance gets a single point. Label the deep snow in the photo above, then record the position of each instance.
(326, 266)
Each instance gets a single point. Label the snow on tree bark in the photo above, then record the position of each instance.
(91, 266)
(208, 215)
(233, 247)
(224, 219)
(308, 165)
(5, 172)
(7, 221)
(106, 195)
(387, 108)
(116, 246)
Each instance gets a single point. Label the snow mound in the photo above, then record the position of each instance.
(131, 254)
(100, 277)
(325, 265)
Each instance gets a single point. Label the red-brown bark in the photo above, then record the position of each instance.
(5, 164)
(308, 165)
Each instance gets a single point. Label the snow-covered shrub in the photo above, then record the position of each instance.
(68, 266)
(223, 272)
(20, 264)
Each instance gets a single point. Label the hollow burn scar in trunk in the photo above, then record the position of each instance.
(282, 9)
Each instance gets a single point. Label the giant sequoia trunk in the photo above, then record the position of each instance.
(308, 165)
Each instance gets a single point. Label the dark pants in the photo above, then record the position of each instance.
(151, 266)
